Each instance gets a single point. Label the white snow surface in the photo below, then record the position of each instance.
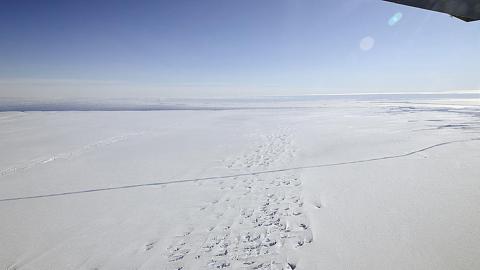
(339, 185)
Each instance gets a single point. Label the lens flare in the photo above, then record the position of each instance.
(367, 43)
(395, 19)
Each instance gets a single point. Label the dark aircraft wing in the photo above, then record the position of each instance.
(467, 10)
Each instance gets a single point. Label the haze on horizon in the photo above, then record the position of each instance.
(114, 49)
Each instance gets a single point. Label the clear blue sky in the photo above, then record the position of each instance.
(230, 48)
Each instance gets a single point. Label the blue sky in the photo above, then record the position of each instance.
(231, 48)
